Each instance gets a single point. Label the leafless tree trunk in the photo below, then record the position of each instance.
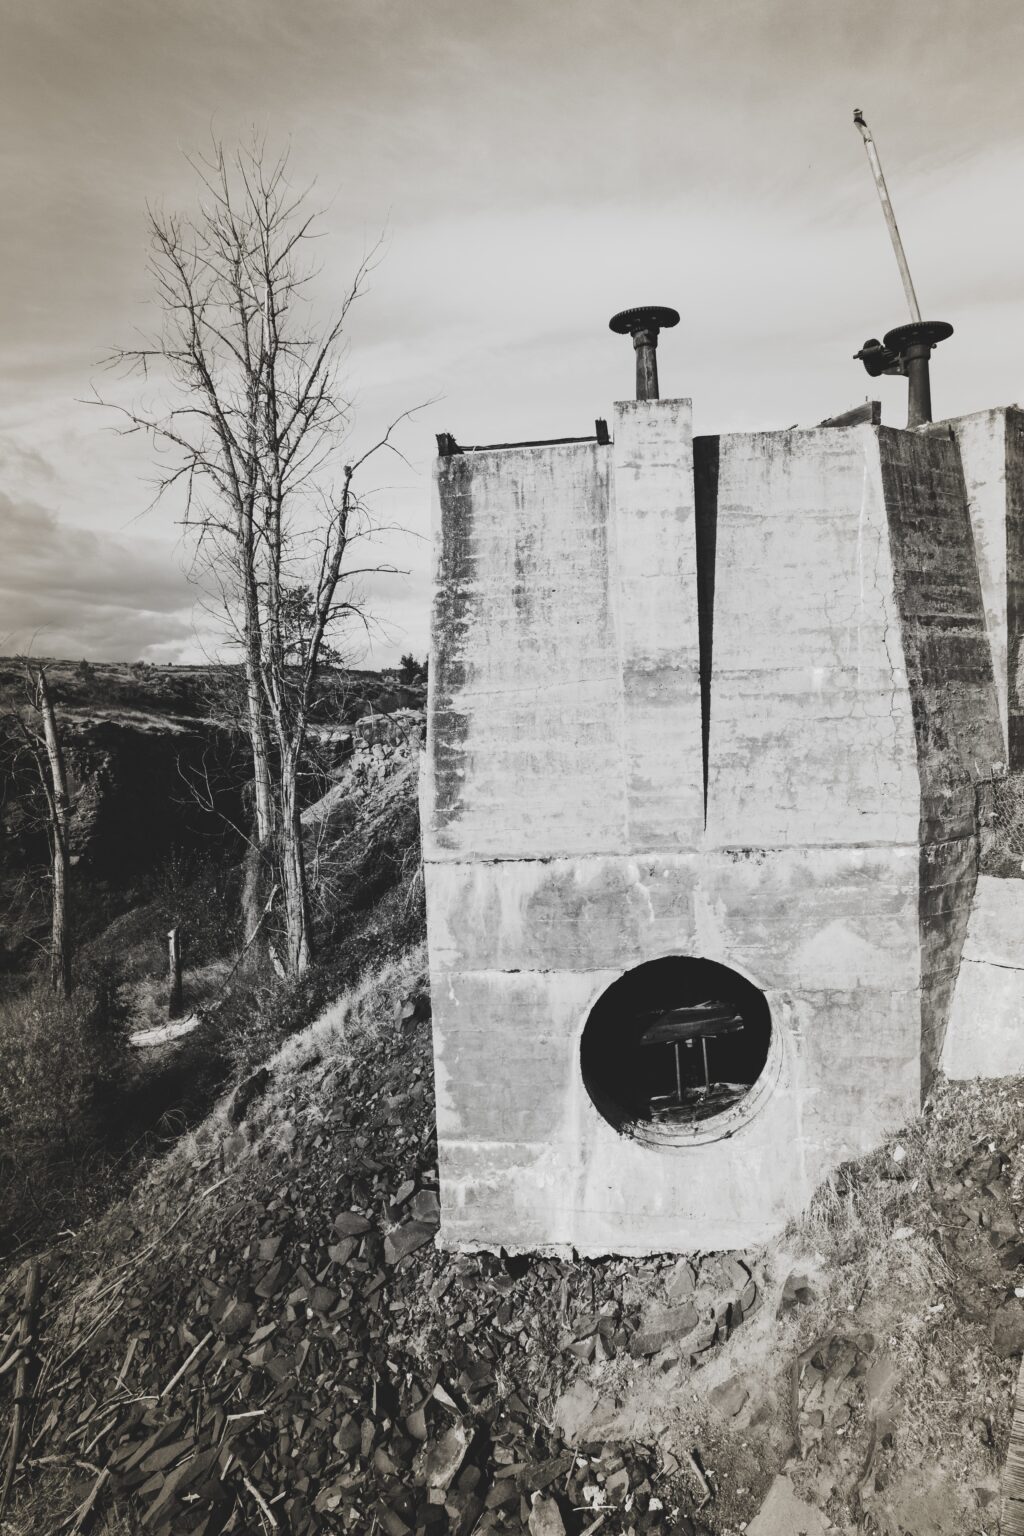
(254, 429)
(53, 777)
(174, 998)
(293, 873)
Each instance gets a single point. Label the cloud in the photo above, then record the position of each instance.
(65, 590)
(537, 166)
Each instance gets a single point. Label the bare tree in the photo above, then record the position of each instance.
(253, 428)
(42, 745)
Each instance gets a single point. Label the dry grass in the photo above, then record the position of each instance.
(147, 999)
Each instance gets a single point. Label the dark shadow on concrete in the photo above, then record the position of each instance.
(705, 484)
(1015, 587)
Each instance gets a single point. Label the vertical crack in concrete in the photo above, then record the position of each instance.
(705, 491)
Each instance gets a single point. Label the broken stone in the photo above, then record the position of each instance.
(736, 1272)
(425, 1206)
(729, 1397)
(351, 1224)
(406, 1239)
(784, 1514)
(680, 1283)
(271, 1281)
(879, 1383)
(662, 1326)
(438, 1462)
(1008, 1329)
(616, 1485)
(246, 1093)
(796, 1292)
(340, 1253)
(236, 1318)
(545, 1517)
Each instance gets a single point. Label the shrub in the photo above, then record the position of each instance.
(412, 671)
(62, 1068)
(201, 896)
(62, 1065)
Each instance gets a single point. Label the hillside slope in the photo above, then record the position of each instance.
(265, 1338)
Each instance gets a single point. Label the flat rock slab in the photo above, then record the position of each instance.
(405, 1240)
(729, 1397)
(662, 1326)
(784, 1514)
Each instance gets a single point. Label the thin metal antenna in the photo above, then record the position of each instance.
(906, 349)
(887, 209)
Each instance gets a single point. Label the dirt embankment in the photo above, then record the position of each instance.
(158, 770)
(264, 1337)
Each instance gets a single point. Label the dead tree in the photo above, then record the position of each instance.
(174, 995)
(252, 426)
(45, 748)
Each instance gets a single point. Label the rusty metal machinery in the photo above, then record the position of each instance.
(644, 325)
(905, 350)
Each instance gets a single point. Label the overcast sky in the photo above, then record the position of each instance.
(538, 164)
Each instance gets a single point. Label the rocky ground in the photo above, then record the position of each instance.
(265, 1337)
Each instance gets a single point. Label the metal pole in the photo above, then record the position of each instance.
(887, 209)
(707, 1074)
(646, 344)
(644, 325)
(919, 395)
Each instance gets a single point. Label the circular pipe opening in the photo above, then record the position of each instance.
(673, 1045)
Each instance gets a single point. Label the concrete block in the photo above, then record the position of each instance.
(659, 645)
(727, 701)
(524, 665)
(991, 445)
(811, 735)
(986, 1026)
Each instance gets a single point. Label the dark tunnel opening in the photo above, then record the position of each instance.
(676, 1041)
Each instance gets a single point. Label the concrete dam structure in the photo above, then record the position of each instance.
(710, 722)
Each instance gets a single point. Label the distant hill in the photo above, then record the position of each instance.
(195, 692)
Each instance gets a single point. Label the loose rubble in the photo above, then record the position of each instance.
(291, 1352)
(266, 1338)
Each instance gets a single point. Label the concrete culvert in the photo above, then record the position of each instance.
(675, 1042)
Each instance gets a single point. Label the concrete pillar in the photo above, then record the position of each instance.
(655, 570)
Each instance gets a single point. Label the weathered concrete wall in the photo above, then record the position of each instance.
(986, 1027)
(951, 684)
(525, 1157)
(981, 438)
(1014, 638)
(525, 668)
(991, 447)
(811, 732)
(655, 574)
(807, 624)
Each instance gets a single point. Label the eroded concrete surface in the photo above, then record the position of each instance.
(738, 716)
(986, 1027)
